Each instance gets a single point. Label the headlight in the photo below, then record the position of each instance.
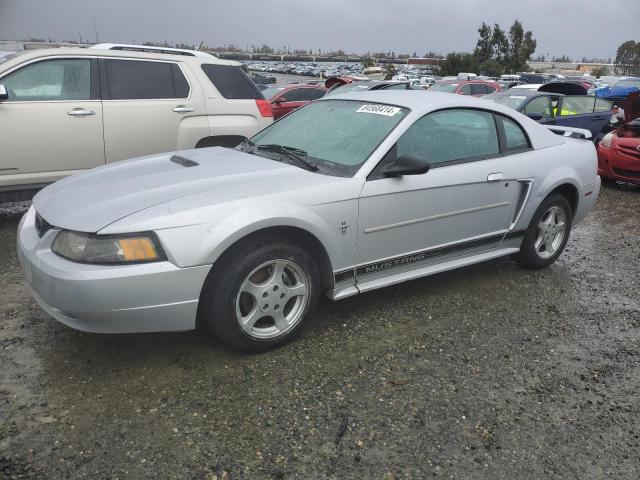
(606, 140)
(108, 249)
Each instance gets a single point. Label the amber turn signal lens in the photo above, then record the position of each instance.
(137, 249)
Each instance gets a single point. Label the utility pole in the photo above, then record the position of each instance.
(95, 29)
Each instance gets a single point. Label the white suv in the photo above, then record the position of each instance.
(64, 110)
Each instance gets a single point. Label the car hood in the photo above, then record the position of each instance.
(90, 201)
(632, 107)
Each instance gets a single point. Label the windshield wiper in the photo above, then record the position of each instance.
(246, 144)
(290, 152)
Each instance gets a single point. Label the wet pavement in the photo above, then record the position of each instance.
(492, 371)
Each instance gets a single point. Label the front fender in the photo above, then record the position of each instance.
(203, 244)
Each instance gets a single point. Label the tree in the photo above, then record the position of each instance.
(491, 67)
(500, 45)
(389, 71)
(484, 47)
(368, 62)
(562, 59)
(503, 52)
(627, 60)
(600, 71)
(457, 62)
(521, 47)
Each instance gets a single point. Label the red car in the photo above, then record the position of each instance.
(619, 150)
(287, 98)
(475, 88)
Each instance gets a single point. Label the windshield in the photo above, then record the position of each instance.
(511, 101)
(629, 82)
(350, 87)
(444, 87)
(336, 135)
(271, 92)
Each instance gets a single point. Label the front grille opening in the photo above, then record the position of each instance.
(626, 173)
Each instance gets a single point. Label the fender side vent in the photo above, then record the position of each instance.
(185, 162)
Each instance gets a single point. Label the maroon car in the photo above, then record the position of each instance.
(475, 88)
(285, 99)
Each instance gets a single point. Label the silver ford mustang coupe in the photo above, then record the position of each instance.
(345, 195)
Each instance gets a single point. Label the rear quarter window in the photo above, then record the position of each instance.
(232, 82)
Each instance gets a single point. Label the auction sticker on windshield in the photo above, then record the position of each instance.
(379, 110)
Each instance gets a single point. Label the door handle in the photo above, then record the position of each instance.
(183, 109)
(495, 177)
(80, 112)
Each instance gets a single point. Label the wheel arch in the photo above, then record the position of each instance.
(570, 192)
(294, 234)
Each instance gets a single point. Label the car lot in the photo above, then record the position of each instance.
(492, 371)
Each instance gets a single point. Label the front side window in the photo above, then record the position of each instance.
(538, 105)
(295, 95)
(63, 79)
(444, 87)
(466, 89)
(337, 135)
(142, 80)
(478, 89)
(450, 135)
(576, 105)
(316, 93)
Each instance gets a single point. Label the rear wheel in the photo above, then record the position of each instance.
(259, 298)
(547, 234)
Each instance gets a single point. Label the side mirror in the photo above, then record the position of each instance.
(535, 116)
(406, 165)
(4, 94)
(279, 100)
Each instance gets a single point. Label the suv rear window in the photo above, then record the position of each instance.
(142, 79)
(232, 82)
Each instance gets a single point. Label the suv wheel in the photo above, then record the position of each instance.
(260, 298)
(547, 234)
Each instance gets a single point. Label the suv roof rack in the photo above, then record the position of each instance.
(151, 49)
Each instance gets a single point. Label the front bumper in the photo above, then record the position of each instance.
(614, 164)
(151, 297)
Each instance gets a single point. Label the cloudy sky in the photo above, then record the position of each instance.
(591, 28)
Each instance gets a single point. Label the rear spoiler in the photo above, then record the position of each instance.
(570, 131)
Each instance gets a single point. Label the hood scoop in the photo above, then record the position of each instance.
(185, 162)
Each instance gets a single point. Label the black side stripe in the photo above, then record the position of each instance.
(424, 255)
(514, 234)
(344, 275)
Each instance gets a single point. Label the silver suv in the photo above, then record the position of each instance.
(65, 110)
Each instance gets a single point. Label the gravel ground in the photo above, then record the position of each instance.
(491, 371)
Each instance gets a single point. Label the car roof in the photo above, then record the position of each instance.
(519, 93)
(416, 100)
(28, 55)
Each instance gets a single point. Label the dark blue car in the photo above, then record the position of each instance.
(571, 109)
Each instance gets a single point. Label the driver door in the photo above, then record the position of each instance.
(462, 205)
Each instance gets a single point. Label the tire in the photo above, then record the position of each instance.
(248, 307)
(540, 247)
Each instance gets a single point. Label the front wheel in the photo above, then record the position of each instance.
(547, 234)
(259, 298)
